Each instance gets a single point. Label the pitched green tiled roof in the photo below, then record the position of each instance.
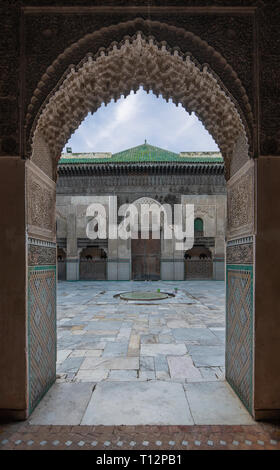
(145, 153)
(142, 153)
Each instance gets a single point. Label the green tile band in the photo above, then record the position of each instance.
(239, 331)
(41, 331)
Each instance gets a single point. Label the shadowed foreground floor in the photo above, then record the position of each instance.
(24, 436)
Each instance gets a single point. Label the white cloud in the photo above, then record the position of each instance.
(137, 117)
(127, 108)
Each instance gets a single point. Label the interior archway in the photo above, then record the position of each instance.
(123, 67)
(137, 60)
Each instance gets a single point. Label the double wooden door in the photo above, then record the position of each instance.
(93, 270)
(145, 255)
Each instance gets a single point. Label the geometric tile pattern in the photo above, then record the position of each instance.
(41, 331)
(239, 331)
(140, 438)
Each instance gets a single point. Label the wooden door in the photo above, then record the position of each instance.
(145, 259)
(93, 270)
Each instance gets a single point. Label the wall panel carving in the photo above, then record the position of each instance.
(240, 202)
(180, 184)
(40, 253)
(240, 253)
(41, 156)
(269, 19)
(240, 155)
(41, 201)
(9, 79)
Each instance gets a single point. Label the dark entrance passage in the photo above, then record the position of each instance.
(93, 264)
(61, 264)
(198, 269)
(198, 263)
(145, 259)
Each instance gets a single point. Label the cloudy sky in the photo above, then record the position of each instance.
(140, 116)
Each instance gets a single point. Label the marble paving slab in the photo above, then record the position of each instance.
(127, 403)
(215, 403)
(64, 403)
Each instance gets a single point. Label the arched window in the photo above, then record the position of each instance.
(198, 227)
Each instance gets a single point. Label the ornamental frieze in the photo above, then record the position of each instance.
(240, 202)
(41, 199)
(41, 255)
(240, 254)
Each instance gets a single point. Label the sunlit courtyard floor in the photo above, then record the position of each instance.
(140, 362)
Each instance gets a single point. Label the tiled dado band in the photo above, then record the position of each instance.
(41, 252)
(240, 251)
(41, 318)
(239, 318)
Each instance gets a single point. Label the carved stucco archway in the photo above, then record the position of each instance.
(148, 201)
(136, 61)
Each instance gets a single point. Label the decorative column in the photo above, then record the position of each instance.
(253, 307)
(118, 261)
(119, 251)
(240, 271)
(41, 288)
(28, 286)
(72, 258)
(167, 260)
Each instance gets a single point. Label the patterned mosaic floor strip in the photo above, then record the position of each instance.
(22, 436)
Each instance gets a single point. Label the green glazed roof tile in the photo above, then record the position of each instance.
(142, 153)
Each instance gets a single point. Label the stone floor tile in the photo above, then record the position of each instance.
(201, 336)
(215, 403)
(211, 374)
(91, 375)
(78, 353)
(62, 354)
(99, 332)
(71, 364)
(134, 345)
(162, 375)
(165, 349)
(114, 349)
(182, 367)
(110, 363)
(149, 339)
(177, 324)
(207, 356)
(147, 375)
(166, 339)
(161, 364)
(122, 375)
(220, 333)
(134, 404)
(93, 353)
(64, 403)
(147, 363)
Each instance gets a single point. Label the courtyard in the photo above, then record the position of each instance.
(140, 362)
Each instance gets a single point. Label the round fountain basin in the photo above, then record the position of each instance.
(138, 295)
